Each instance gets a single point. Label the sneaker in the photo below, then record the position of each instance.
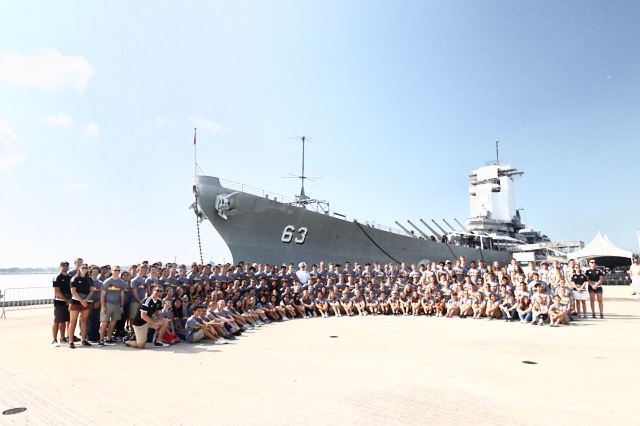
(101, 343)
(76, 339)
(55, 344)
(593, 315)
(117, 339)
(72, 345)
(541, 321)
(285, 318)
(601, 316)
(109, 342)
(85, 343)
(160, 344)
(65, 340)
(221, 341)
(230, 337)
(584, 316)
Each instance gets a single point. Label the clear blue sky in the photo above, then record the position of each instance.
(98, 101)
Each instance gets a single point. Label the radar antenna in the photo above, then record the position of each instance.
(303, 196)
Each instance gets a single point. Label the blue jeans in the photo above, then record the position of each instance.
(526, 317)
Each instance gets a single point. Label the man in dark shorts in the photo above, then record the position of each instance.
(146, 318)
(62, 289)
(595, 278)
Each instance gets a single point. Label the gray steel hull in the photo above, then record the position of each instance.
(267, 231)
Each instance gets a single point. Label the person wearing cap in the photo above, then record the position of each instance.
(81, 299)
(111, 305)
(149, 315)
(62, 296)
(302, 274)
(634, 274)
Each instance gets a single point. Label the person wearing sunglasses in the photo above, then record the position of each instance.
(149, 315)
(112, 305)
(595, 278)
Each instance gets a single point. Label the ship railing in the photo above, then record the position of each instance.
(17, 299)
(288, 200)
(256, 191)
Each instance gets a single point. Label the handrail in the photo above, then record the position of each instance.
(247, 189)
(25, 298)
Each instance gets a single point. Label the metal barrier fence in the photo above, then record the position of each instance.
(16, 299)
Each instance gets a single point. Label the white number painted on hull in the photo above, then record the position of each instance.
(303, 234)
(287, 234)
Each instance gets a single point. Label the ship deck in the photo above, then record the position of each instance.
(376, 370)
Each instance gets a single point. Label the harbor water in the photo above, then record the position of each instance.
(19, 283)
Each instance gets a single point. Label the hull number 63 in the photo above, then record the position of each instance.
(290, 231)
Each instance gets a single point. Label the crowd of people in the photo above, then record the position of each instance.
(163, 304)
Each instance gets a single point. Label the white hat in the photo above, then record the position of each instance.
(301, 264)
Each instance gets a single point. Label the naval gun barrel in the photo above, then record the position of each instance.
(419, 230)
(445, 221)
(461, 225)
(405, 229)
(439, 227)
(433, 231)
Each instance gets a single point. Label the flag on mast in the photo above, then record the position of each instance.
(194, 136)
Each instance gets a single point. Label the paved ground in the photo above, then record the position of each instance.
(378, 370)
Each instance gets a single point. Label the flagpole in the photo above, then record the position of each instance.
(195, 153)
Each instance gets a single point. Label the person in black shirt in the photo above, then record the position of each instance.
(579, 286)
(81, 300)
(596, 278)
(146, 317)
(62, 296)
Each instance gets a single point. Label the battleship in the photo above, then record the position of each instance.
(259, 226)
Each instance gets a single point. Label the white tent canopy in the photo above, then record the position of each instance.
(602, 247)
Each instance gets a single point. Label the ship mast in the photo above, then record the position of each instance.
(302, 177)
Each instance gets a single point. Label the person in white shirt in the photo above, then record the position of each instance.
(302, 273)
(634, 273)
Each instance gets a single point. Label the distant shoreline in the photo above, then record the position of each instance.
(27, 271)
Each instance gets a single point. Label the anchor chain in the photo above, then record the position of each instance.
(198, 227)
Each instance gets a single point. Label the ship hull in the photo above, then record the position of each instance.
(258, 229)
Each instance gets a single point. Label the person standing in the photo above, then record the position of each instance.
(302, 274)
(81, 291)
(62, 290)
(93, 322)
(139, 290)
(112, 305)
(149, 315)
(579, 284)
(634, 273)
(77, 264)
(595, 278)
